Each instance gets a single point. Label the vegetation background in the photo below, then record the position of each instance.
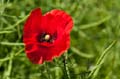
(95, 40)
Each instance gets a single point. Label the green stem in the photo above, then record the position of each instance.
(100, 61)
(12, 44)
(94, 24)
(67, 73)
(47, 70)
(8, 72)
(17, 23)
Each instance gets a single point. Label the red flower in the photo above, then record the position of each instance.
(46, 36)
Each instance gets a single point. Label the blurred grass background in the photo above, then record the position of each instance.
(95, 40)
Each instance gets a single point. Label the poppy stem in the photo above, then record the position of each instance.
(67, 73)
(47, 70)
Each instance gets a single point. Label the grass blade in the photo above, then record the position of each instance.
(100, 61)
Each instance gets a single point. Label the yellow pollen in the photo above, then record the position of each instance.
(47, 37)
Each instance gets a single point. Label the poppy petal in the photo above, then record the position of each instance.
(63, 16)
(47, 22)
(58, 49)
(32, 23)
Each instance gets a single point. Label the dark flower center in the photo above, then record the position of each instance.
(46, 37)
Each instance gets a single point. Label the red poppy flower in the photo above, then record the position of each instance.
(46, 36)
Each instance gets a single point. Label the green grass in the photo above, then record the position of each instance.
(95, 40)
